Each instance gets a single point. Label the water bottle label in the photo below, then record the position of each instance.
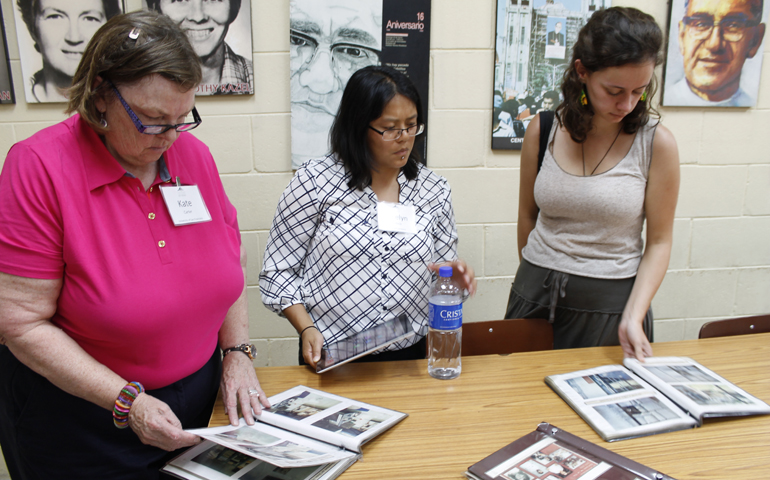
(445, 317)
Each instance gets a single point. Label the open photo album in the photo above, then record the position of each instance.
(663, 394)
(307, 433)
(550, 453)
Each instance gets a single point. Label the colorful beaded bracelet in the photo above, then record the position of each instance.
(123, 403)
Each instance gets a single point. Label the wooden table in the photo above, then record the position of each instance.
(497, 399)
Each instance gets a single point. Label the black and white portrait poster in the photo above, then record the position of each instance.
(533, 47)
(332, 39)
(52, 36)
(220, 33)
(6, 82)
(714, 56)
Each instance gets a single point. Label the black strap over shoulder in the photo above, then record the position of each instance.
(546, 122)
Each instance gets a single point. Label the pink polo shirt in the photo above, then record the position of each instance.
(142, 296)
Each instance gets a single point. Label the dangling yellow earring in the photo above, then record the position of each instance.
(643, 97)
(583, 97)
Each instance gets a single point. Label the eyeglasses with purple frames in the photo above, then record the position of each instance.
(157, 129)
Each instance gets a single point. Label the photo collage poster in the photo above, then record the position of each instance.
(52, 41)
(220, 33)
(6, 82)
(332, 39)
(705, 68)
(533, 48)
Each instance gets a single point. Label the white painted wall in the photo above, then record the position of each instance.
(720, 265)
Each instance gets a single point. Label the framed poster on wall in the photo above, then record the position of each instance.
(533, 47)
(714, 56)
(52, 36)
(220, 33)
(6, 82)
(332, 39)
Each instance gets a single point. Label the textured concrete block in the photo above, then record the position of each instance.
(668, 331)
(470, 247)
(501, 256)
(748, 125)
(696, 293)
(752, 297)
(255, 197)
(490, 300)
(711, 191)
(229, 139)
(687, 127)
(730, 242)
(263, 323)
(503, 158)
(7, 139)
(692, 326)
(23, 131)
(284, 352)
(456, 138)
(250, 241)
(448, 14)
(272, 142)
(680, 248)
(484, 196)
(758, 189)
(462, 79)
(263, 352)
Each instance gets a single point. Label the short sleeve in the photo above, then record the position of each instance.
(31, 234)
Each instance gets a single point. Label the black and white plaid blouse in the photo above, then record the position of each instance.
(325, 251)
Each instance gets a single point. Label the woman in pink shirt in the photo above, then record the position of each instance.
(121, 270)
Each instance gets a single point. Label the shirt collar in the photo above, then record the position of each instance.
(100, 166)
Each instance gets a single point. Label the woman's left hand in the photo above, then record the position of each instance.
(461, 273)
(633, 340)
(238, 378)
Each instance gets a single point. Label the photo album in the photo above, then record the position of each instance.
(663, 394)
(550, 453)
(306, 434)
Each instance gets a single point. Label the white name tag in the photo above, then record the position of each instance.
(396, 217)
(185, 204)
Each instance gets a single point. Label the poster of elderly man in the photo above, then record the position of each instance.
(52, 44)
(332, 39)
(220, 33)
(714, 53)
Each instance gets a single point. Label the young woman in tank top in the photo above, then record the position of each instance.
(608, 167)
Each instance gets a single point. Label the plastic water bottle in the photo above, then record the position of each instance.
(445, 316)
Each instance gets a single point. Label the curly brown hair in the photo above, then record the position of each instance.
(613, 37)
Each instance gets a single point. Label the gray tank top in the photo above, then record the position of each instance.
(592, 226)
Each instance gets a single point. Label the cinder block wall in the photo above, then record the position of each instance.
(720, 265)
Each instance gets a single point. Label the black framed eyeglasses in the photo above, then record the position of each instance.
(157, 129)
(395, 133)
(733, 27)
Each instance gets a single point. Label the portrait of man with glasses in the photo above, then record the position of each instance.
(715, 62)
(329, 41)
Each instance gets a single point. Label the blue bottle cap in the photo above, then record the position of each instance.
(445, 271)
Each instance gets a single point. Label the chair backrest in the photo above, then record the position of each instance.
(735, 326)
(507, 336)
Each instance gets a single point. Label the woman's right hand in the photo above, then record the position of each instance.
(312, 344)
(155, 424)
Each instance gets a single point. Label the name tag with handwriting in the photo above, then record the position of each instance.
(396, 217)
(185, 204)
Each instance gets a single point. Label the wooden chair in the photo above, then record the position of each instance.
(731, 326)
(507, 336)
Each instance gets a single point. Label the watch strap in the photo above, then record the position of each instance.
(247, 348)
